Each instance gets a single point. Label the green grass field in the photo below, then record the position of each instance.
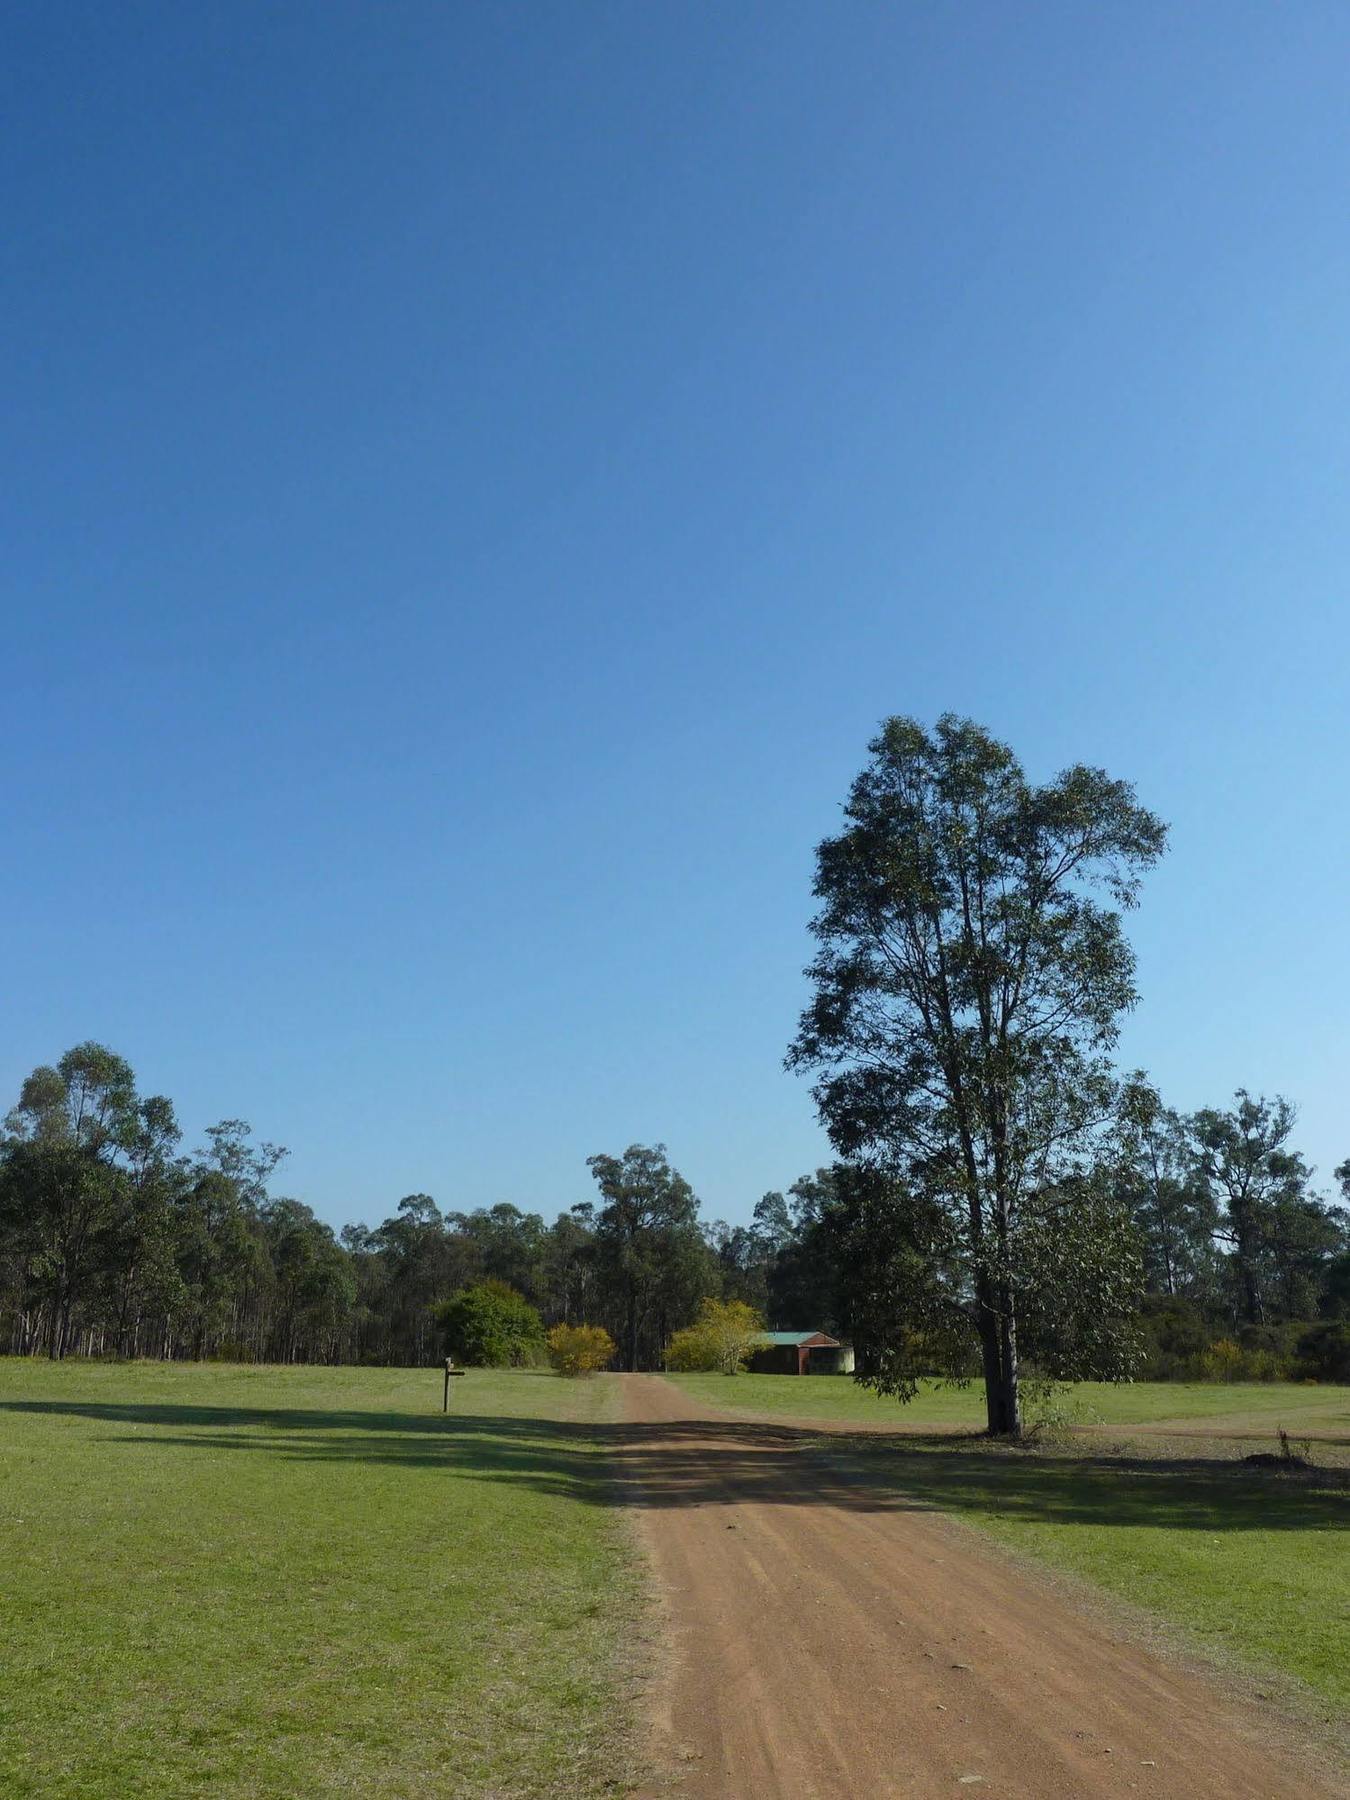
(1253, 1566)
(295, 1582)
(1259, 1407)
(306, 1582)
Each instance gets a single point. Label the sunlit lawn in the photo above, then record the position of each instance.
(296, 1582)
(1261, 1406)
(1253, 1565)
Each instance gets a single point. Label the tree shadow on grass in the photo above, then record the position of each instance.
(724, 1462)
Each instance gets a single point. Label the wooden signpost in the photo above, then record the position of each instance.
(450, 1370)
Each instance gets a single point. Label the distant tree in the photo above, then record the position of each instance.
(414, 1261)
(902, 1281)
(510, 1245)
(1304, 1235)
(223, 1257)
(1277, 1234)
(249, 1166)
(1324, 1353)
(773, 1221)
(743, 1262)
(569, 1282)
(492, 1326)
(968, 989)
(315, 1282)
(1335, 1300)
(653, 1265)
(1160, 1177)
(141, 1275)
(803, 1278)
(65, 1188)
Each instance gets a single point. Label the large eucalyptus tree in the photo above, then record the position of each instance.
(968, 988)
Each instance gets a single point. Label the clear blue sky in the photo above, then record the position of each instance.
(477, 474)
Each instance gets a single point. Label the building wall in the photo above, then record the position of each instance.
(791, 1359)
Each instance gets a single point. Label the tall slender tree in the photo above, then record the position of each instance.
(65, 1186)
(1258, 1187)
(968, 989)
(1160, 1177)
(651, 1260)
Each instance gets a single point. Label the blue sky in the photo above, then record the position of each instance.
(477, 475)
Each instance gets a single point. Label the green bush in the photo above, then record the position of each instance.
(1222, 1361)
(491, 1326)
(1270, 1349)
(722, 1337)
(579, 1349)
(1186, 1342)
(1175, 1334)
(1324, 1352)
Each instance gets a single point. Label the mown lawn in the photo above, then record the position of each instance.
(295, 1582)
(1253, 1566)
(1243, 1406)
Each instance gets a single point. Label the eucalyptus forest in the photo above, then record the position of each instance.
(113, 1241)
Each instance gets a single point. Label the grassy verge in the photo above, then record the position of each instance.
(294, 1582)
(1254, 1566)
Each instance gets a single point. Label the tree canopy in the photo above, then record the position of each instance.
(970, 979)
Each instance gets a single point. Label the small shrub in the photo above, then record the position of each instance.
(1324, 1353)
(720, 1340)
(690, 1352)
(1052, 1411)
(1222, 1361)
(579, 1349)
(491, 1326)
(1293, 1455)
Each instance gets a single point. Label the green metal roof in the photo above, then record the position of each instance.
(788, 1337)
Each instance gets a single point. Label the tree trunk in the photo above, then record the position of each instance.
(993, 1384)
(1251, 1298)
(1002, 1372)
(1011, 1382)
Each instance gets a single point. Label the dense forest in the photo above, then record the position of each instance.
(114, 1241)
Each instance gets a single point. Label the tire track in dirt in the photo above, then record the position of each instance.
(828, 1639)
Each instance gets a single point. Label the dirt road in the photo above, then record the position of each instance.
(828, 1640)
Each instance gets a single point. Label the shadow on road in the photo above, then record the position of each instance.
(716, 1462)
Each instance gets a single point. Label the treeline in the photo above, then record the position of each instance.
(113, 1241)
(1235, 1268)
(1242, 1266)
(1246, 1267)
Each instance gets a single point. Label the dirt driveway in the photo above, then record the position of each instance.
(827, 1640)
